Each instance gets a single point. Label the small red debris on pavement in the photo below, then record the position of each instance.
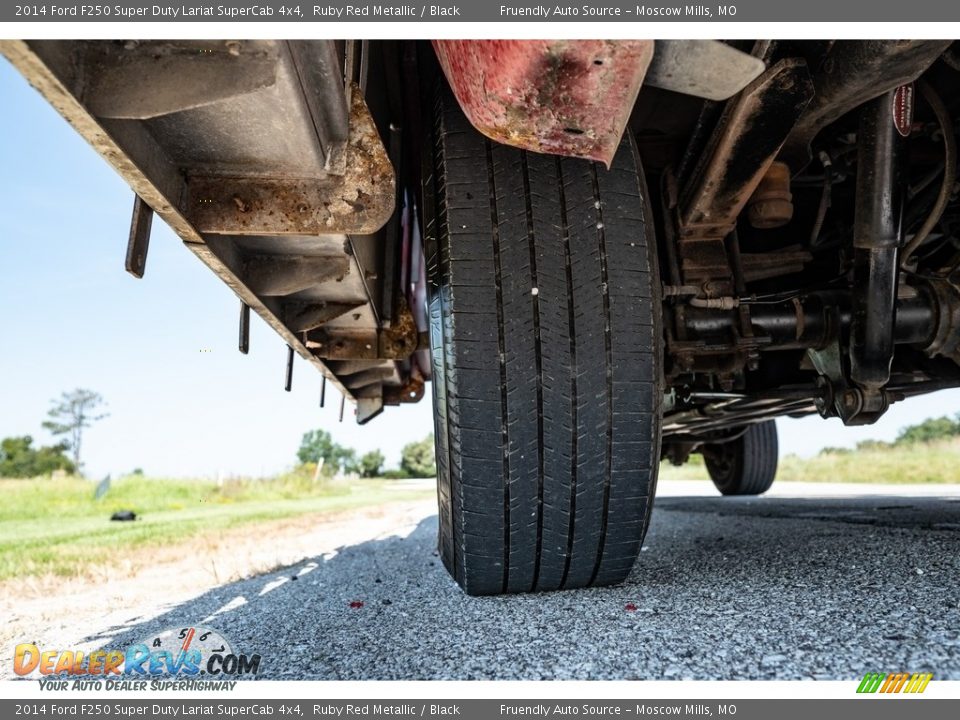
(356, 604)
(630, 607)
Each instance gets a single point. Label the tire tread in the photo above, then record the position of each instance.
(547, 402)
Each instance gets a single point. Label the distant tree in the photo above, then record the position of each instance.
(872, 445)
(348, 461)
(418, 459)
(318, 446)
(928, 431)
(73, 413)
(18, 459)
(371, 464)
(834, 451)
(395, 474)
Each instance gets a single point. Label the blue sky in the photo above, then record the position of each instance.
(162, 350)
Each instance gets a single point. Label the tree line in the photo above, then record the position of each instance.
(928, 431)
(71, 414)
(318, 447)
(68, 417)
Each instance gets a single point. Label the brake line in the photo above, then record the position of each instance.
(949, 170)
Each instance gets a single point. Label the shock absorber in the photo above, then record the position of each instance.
(877, 236)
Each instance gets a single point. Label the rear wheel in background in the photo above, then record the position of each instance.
(747, 465)
(545, 336)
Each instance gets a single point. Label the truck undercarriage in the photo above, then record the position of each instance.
(600, 252)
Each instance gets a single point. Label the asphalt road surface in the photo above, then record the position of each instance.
(811, 581)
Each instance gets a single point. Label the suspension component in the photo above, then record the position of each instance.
(818, 320)
(876, 244)
(771, 205)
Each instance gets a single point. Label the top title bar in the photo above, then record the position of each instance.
(485, 11)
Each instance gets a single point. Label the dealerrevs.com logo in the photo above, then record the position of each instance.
(179, 658)
(889, 683)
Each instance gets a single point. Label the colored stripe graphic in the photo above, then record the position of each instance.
(919, 684)
(870, 683)
(894, 683)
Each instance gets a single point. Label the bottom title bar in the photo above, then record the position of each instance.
(875, 708)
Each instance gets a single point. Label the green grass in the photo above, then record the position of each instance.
(55, 527)
(934, 462)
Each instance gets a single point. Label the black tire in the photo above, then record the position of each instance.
(547, 402)
(747, 465)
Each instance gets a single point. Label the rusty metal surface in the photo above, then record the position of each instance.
(138, 243)
(946, 336)
(331, 344)
(771, 205)
(401, 339)
(397, 342)
(410, 392)
(763, 266)
(706, 262)
(243, 343)
(748, 138)
(358, 202)
(737, 158)
(853, 72)
(145, 163)
(566, 97)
